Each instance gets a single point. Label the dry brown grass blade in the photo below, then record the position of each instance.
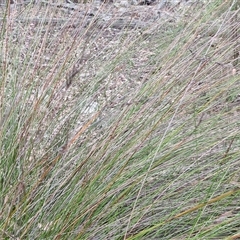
(192, 209)
(82, 130)
(233, 237)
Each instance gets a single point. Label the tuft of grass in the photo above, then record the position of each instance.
(114, 129)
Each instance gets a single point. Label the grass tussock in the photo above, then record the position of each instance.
(119, 132)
